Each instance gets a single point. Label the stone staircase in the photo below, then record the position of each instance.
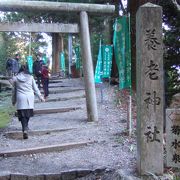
(62, 145)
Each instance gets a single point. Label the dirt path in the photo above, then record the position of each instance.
(105, 145)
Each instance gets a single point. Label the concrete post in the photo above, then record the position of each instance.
(56, 50)
(88, 68)
(150, 89)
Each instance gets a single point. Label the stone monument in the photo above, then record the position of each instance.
(150, 89)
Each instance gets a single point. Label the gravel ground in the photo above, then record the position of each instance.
(110, 147)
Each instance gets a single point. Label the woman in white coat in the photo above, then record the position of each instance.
(25, 88)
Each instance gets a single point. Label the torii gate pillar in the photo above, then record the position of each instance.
(88, 70)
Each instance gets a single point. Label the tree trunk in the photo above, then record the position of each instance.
(114, 72)
(55, 54)
(133, 6)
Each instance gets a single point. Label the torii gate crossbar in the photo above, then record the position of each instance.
(39, 27)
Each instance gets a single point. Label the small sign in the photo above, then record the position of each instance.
(173, 137)
(107, 60)
(78, 59)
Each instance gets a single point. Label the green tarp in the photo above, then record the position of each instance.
(104, 63)
(62, 62)
(98, 70)
(122, 52)
(44, 58)
(30, 64)
(78, 58)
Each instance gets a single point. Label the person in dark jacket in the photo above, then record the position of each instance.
(9, 64)
(16, 65)
(13, 65)
(37, 66)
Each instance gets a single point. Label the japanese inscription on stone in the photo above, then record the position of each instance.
(152, 99)
(151, 74)
(152, 135)
(152, 70)
(151, 40)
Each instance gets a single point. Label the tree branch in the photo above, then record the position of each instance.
(122, 7)
(176, 4)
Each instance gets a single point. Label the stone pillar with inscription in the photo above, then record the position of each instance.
(150, 91)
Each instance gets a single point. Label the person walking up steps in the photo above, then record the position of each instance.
(13, 65)
(16, 65)
(45, 80)
(25, 87)
(9, 67)
(37, 67)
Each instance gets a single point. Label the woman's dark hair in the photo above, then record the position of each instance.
(24, 68)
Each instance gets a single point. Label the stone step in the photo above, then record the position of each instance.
(18, 134)
(53, 110)
(5, 82)
(64, 175)
(64, 90)
(44, 149)
(55, 81)
(58, 86)
(61, 99)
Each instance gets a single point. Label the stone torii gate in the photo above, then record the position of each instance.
(83, 9)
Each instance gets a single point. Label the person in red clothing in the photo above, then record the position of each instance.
(45, 80)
